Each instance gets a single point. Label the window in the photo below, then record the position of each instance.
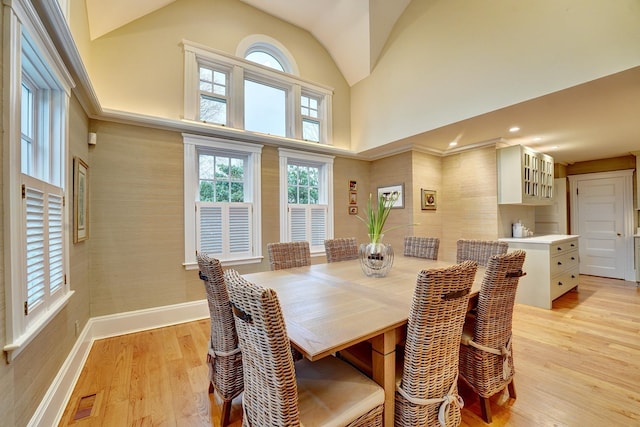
(309, 109)
(37, 212)
(213, 95)
(256, 91)
(265, 108)
(306, 198)
(222, 200)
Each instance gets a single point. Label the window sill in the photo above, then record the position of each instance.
(226, 262)
(13, 349)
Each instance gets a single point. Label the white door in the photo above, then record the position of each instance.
(602, 208)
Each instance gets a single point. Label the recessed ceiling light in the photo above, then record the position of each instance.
(555, 147)
(453, 144)
(537, 138)
(514, 129)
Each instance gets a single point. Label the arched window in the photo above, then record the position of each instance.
(264, 58)
(267, 51)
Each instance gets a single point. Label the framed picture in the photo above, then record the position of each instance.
(428, 198)
(353, 186)
(353, 210)
(80, 200)
(353, 198)
(390, 189)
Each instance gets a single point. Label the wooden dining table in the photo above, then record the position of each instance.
(330, 307)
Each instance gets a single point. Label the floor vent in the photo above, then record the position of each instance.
(85, 407)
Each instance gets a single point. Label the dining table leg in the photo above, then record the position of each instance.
(384, 370)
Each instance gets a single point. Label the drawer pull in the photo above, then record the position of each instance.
(559, 248)
(559, 263)
(573, 276)
(573, 258)
(560, 284)
(573, 245)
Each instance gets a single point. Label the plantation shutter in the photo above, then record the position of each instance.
(224, 230)
(298, 223)
(56, 243)
(308, 222)
(318, 226)
(35, 248)
(209, 229)
(240, 229)
(43, 211)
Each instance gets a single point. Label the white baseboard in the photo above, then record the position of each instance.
(55, 400)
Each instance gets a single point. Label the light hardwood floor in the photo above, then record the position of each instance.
(576, 365)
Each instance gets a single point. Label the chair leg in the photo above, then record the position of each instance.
(485, 406)
(225, 412)
(512, 389)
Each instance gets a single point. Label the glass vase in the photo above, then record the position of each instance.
(376, 258)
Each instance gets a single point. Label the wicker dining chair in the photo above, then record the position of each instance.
(288, 255)
(341, 249)
(421, 247)
(486, 353)
(479, 250)
(224, 357)
(279, 393)
(427, 392)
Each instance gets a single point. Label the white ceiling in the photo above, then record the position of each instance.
(594, 120)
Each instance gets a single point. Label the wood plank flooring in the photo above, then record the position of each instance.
(576, 365)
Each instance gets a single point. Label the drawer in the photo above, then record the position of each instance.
(564, 282)
(559, 248)
(562, 262)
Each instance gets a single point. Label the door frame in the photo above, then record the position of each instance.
(628, 211)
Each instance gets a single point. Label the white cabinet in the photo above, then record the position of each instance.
(552, 266)
(525, 176)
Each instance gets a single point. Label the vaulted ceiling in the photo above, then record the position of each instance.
(594, 120)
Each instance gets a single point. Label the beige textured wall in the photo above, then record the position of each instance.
(469, 198)
(144, 62)
(427, 174)
(345, 170)
(137, 219)
(391, 171)
(26, 379)
(137, 228)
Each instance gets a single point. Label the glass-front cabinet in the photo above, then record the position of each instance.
(525, 176)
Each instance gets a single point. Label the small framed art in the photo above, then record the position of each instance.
(80, 200)
(428, 198)
(389, 190)
(353, 198)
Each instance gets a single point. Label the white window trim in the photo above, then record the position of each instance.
(195, 53)
(325, 195)
(20, 16)
(253, 173)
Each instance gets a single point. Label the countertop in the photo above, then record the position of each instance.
(546, 239)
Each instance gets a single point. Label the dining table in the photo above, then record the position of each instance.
(332, 306)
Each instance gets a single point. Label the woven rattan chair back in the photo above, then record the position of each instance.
(270, 397)
(288, 255)
(271, 387)
(421, 247)
(341, 249)
(224, 357)
(429, 376)
(490, 372)
(479, 250)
